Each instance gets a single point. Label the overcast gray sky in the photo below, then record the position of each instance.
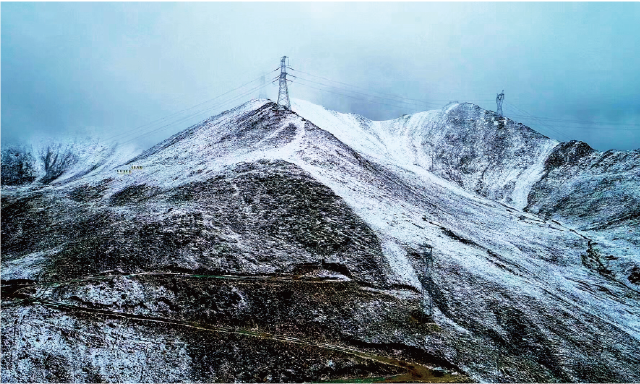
(105, 69)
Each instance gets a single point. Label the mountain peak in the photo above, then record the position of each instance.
(260, 230)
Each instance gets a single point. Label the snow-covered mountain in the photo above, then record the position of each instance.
(587, 190)
(310, 245)
(46, 162)
(481, 152)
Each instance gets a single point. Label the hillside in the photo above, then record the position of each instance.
(593, 192)
(313, 245)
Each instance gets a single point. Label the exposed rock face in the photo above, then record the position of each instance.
(257, 246)
(18, 166)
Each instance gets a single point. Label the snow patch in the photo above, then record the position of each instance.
(531, 175)
(26, 267)
(397, 258)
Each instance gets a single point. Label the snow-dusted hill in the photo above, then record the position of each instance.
(595, 192)
(229, 223)
(479, 151)
(46, 162)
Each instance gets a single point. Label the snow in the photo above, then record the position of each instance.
(92, 156)
(397, 212)
(393, 174)
(398, 144)
(397, 258)
(27, 267)
(412, 142)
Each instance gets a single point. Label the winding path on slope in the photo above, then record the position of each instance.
(414, 372)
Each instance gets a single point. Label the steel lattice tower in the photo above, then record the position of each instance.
(499, 100)
(263, 91)
(283, 93)
(427, 297)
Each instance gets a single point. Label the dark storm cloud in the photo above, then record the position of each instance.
(106, 68)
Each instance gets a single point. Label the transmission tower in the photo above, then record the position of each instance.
(427, 297)
(263, 83)
(283, 93)
(499, 99)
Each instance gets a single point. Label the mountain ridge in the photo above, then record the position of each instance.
(255, 192)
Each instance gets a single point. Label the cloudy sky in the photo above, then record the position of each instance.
(139, 72)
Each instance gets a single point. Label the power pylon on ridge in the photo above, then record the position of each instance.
(499, 100)
(283, 92)
(263, 83)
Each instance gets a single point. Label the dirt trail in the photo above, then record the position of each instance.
(22, 292)
(414, 372)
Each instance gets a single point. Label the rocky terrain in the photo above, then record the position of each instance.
(310, 245)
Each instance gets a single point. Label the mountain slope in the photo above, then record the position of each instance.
(321, 229)
(479, 151)
(587, 190)
(47, 162)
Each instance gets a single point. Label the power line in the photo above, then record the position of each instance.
(579, 126)
(298, 81)
(128, 133)
(587, 123)
(343, 94)
(420, 103)
(535, 119)
(185, 118)
(396, 98)
(198, 113)
(368, 95)
(388, 95)
(560, 135)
